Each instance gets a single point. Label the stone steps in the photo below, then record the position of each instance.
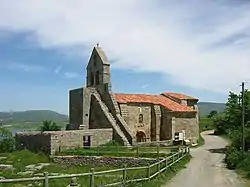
(111, 119)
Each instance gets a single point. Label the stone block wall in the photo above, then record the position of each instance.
(51, 142)
(76, 108)
(187, 122)
(134, 110)
(166, 125)
(97, 117)
(34, 141)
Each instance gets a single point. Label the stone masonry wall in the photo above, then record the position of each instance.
(134, 110)
(97, 117)
(188, 123)
(51, 142)
(166, 125)
(76, 108)
(64, 140)
(34, 141)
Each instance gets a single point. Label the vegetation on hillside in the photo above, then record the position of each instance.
(31, 116)
(206, 124)
(49, 125)
(205, 108)
(7, 141)
(228, 124)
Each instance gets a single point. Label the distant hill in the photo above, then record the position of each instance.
(206, 107)
(32, 116)
(39, 115)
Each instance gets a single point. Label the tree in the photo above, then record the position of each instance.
(67, 127)
(212, 114)
(230, 119)
(7, 141)
(48, 125)
(229, 124)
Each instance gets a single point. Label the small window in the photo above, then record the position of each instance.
(140, 118)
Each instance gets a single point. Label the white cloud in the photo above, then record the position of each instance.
(26, 67)
(144, 86)
(192, 41)
(56, 71)
(70, 75)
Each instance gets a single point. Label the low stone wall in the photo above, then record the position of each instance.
(33, 141)
(51, 142)
(103, 161)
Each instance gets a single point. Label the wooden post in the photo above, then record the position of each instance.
(92, 177)
(166, 161)
(124, 176)
(98, 150)
(148, 172)
(157, 150)
(46, 179)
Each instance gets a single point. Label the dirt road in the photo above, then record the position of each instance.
(206, 169)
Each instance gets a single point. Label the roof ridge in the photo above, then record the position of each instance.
(153, 99)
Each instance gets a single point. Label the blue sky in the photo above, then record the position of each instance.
(201, 48)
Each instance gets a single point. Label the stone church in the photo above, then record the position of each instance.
(133, 117)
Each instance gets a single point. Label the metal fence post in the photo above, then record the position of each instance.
(92, 177)
(124, 176)
(148, 172)
(137, 150)
(159, 166)
(46, 179)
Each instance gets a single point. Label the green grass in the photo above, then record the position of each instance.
(114, 149)
(119, 151)
(201, 141)
(20, 159)
(206, 124)
(165, 176)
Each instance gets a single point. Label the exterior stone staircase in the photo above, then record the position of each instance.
(111, 119)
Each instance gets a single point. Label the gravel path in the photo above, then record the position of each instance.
(206, 168)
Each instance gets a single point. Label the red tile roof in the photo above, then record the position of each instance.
(179, 96)
(154, 99)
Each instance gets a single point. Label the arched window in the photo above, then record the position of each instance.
(140, 118)
(91, 79)
(97, 76)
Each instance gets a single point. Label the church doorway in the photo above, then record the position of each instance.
(140, 136)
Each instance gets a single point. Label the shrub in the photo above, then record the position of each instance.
(50, 126)
(233, 157)
(7, 141)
